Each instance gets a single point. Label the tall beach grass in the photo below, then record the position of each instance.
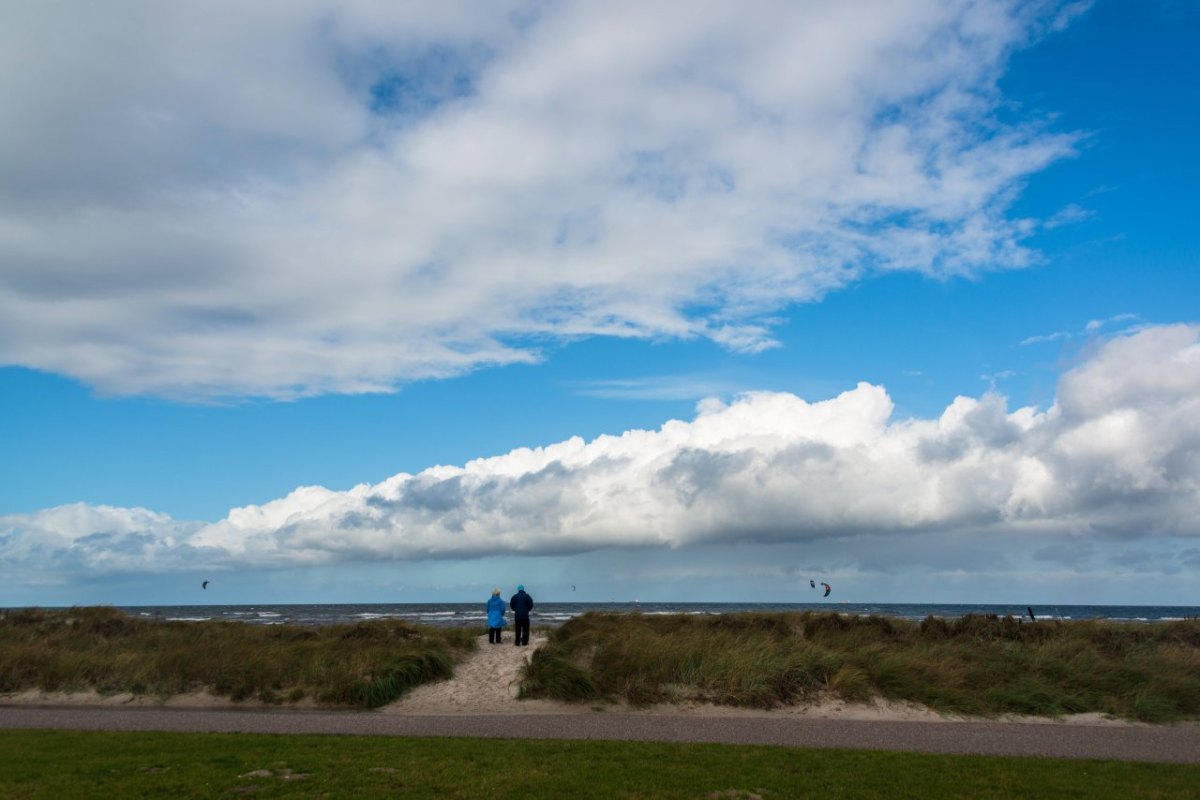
(366, 664)
(975, 665)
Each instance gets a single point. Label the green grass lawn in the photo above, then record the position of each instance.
(70, 764)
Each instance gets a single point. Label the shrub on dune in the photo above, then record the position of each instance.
(977, 664)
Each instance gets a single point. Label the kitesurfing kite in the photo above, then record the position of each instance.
(828, 589)
(813, 584)
(204, 585)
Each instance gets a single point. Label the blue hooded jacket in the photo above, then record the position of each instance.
(495, 608)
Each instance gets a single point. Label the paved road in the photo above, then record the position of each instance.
(1179, 743)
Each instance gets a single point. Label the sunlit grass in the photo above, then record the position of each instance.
(366, 664)
(982, 665)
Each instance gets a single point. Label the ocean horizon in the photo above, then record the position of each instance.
(556, 613)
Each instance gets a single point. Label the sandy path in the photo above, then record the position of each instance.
(486, 683)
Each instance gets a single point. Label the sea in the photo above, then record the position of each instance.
(555, 614)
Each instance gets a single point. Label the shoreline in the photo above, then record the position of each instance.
(554, 613)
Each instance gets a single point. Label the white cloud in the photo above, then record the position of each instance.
(1092, 328)
(692, 386)
(278, 199)
(1095, 325)
(1069, 215)
(1047, 337)
(992, 377)
(1118, 455)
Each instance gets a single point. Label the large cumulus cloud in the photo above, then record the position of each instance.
(206, 200)
(1117, 455)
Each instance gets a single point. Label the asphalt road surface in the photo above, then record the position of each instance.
(1167, 743)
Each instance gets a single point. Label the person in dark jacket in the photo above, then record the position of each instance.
(521, 605)
(495, 612)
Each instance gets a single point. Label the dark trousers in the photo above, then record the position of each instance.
(494, 635)
(522, 630)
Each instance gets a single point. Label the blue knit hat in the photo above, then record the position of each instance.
(521, 587)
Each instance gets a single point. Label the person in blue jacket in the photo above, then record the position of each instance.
(521, 604)
(495, 611)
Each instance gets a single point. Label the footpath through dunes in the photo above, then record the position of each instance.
(487, 682)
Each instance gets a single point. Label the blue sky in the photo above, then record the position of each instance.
(380, 271)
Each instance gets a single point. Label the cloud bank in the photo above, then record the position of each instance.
(279, 199)
(1116, 457)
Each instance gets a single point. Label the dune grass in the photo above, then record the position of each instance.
(976, 665)
(367, 664)
(77, 764)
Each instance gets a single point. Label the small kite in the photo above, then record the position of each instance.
(204, 585)
(813, 584)
(572, 587)
(828, 589)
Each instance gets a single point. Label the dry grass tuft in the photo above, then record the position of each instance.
(367, 664)
(977, 664)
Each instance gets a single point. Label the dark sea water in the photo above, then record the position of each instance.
(473, 614)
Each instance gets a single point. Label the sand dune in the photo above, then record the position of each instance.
(487, 681)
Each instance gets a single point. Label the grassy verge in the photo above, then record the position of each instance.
(973, 665)
(365, 665)
(55, 764)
